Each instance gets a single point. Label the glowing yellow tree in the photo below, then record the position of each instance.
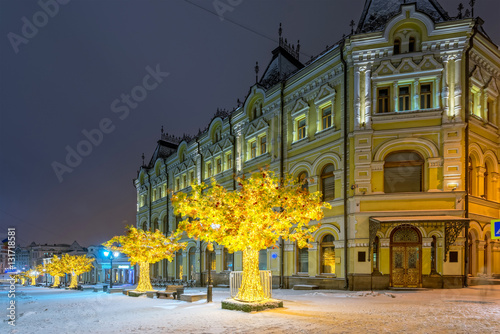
(145, 248)
(55, 269)
(19, 277)
(249, 219)
(75, 265)
(32, 274)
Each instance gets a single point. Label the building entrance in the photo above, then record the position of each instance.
(406, 258)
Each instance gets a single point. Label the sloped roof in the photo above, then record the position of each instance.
(163, 150)
(377, 13)
(281, 66)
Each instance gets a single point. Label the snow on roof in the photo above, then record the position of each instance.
(281, 66)
(377, 13)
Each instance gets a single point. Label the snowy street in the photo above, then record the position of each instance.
(472, 310)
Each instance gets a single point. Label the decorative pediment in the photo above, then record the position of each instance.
(299, 106)
(478, 75)
(429, 63)
(493, 86)
(385, 68)
(256, 127)
(227, 144)
(325, 91)
(191, 163)
(216, 149)
(407, 66)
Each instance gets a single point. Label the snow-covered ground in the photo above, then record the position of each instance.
(472, 310)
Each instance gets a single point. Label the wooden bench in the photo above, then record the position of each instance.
(173, 291)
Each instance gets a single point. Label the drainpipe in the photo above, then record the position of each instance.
(467, 119)
(282, 146)
(344, 63)
(167, 213)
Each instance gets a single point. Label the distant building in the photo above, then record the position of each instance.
(398, 127)
(122, 272)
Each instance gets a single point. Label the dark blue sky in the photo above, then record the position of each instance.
(64, 78)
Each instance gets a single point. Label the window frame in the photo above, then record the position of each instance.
(392, 164)
(263, 144)
(323, 177)
(429, 94)
(385, 98)
(218, 163)
(323, 245)
(299, 250)
(405, 99)
(301, 129)
(328, 117)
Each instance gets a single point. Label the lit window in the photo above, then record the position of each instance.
(219, 165)
(301, 128)
(229, 161)
(328, 183)
(327, 117)
(425, 96)
(327, 255)
(403, 172)
(303, 181)
(397, 47)
(411, 45)
(404, 98)
(263, 145)
(253, 149)
(383, 100)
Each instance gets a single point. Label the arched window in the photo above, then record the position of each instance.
(228, 260)
(165, 225)
(155, 225)
(303, 260)
(263, 259)
(486, 180)
(328, 182)
(486, 255)
(411, 45)
(303, 181)
(397, 46)
(403, 172)
(327, 254)
(376, 257)
(192, 262)
(145, 226)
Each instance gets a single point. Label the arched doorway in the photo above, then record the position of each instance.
(406, 257)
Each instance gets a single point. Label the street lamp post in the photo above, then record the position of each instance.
(209, 287)
(111, 256)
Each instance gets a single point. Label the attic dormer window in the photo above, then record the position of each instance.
(397, 46)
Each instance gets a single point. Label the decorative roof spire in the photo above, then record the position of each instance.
(460, 8)
(472, 3)
(143, 159)
(256, 72)
(352, 25)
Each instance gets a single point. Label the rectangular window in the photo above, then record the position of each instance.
(263, 145)
(361, 256)
(184, 181)
(191, 176)
(404, 98)
(383, 100)
(253, 149)
(219, 165)
(327, 117)
(229, 161)
(425, 96)
(263, 259)
(453, 256)
(177, 184)
(301, 128)
(209, 170)
(489, 114)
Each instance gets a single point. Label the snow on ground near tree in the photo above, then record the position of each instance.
(472, 310)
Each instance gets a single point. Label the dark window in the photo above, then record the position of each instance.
(253, 149)
(228, 260)
(263, 259)
(425, 96)
(263, 145)
(397, 46)
(411, 45)
(219, 165)
(404, 98)
(403, 172)
(489, 114)
(453, 256)
(328, 183)
(383, 100)
(433, 253)
(303, 260)
(361, 256)
(192, 262)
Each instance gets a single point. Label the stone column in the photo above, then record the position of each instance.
(480, 257)
(416, 95)
(446, 91)
(458, 86)
(480, 180)
(396, 96)
(357, 99)
(368, 103)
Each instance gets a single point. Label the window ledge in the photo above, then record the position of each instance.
(301, 140)
(259, 157)
(300, 275)
(320, 132)
(397, 115)
(326, 276)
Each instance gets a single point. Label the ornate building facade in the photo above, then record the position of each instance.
(397, 125)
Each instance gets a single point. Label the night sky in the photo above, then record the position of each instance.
(65, 77)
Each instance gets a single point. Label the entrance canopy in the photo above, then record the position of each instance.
(452, 226)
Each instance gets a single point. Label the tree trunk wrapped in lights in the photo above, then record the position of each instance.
(55, 269)
(250, 218)
(19, 277)
(75, 265)
(145, 248)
